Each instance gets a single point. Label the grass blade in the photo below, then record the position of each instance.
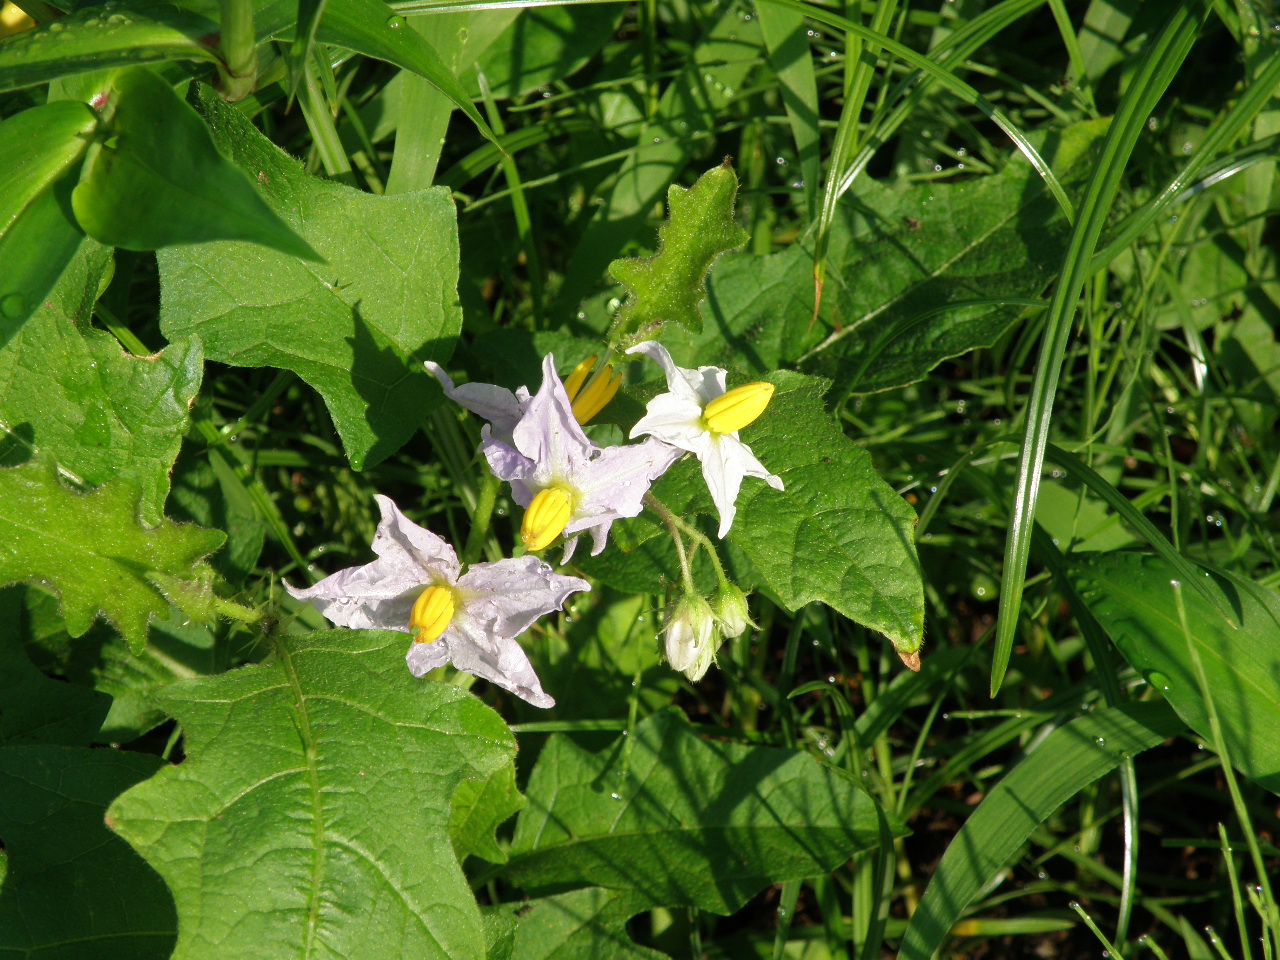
(1153, 76)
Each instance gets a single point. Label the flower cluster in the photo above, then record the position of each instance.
(568, 485)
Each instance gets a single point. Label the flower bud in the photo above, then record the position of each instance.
(732, 411)
(691, 636)
(731, 611)
(546, 517)
(431, 614)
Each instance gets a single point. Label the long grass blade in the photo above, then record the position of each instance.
(1153, 76)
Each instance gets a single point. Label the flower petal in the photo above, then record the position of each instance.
(509, 464)
(548, 434)
(701, 385)
(474, 649)
(400, 539)
(377, 596)
(614, 484)
(727, 461)
(674, 418)
(510, 595)
(498, 405)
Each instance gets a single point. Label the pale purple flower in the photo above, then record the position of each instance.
(488, 401)
(677, 418)
(549, 449)
(493, 602)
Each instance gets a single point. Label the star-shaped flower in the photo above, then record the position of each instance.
(471, 619)
(566, 482)
(700, 416)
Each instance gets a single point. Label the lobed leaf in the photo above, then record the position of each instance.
(91, 548)
(681, 820)
(357, 328)
(668, 286)
(1132, 596)
(312, 812)
(69, 391)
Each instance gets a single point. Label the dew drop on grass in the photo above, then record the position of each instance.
(395, 22)
(12, 305)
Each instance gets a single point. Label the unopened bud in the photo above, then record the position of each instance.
(431, 614)
(546, 517)
(731, 610)
(691, 637)
(732, 411)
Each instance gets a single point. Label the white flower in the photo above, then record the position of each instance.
(566, 482)
(689, 418)
(471, 619)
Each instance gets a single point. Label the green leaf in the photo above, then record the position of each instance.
(685, 821)
(1062, 764)
(579, 925)
(479, 808)
(91, 549)
(73, 890)
(313, 806)
(95, 38)
(356, 329)
(669, 285)
(543, 45)
(37, 709)
(1131, 595)
(914, 275)
(38, 149)
(159, 180)
(369, 27)
(72, 393)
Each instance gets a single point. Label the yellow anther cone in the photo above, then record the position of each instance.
(431, 614)
(546, 517)
(597, 395)
(573, 383)
(737, 408)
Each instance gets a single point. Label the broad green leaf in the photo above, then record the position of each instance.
(1061, 765)
(91, 549)
(159, 180)
(580, 925)
(100, 413)
(313, 806)
(914, 275)
(37, 709)
(685, 821)
(668, 286)
(38, 149)
(74, 891)
(207, 491)
(837, 532)
(1132, 596)
(543, 45)
(101, 37)
(356, 328)
(479, 808)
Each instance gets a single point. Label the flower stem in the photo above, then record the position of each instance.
(696, 536)
(673, 526)
(481, 518)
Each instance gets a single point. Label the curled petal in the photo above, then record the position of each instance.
(474, 649)
(407, 545)
(724, 465)
(498, 405)
(548, 434)
(701, 385)
(674, 418)
(377, 596)
(614, 484)
(510, 595)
